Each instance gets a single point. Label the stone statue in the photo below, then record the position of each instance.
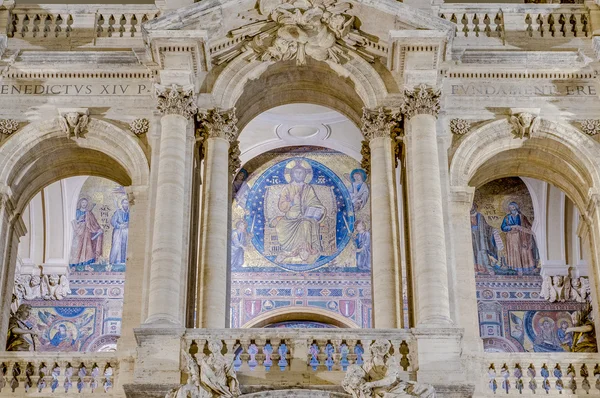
(561, 288)
(28, 287)
(210, 376)
(584, 335)
(20, 335)
(580, 289)
(55, 287)
(379, 377)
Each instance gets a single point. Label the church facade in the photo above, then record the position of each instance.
(280, 198)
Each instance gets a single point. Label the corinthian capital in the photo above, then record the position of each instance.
(176, 100)
(381, 122)
(218, 123)
(421, 100)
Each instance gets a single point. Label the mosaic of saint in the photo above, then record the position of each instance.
(300, 225)
(88, 317)
(100, 227)
(513, 315)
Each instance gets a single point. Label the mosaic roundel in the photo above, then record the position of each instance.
(299, 214)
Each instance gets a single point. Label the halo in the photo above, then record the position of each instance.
(292, 164)
(359, 171)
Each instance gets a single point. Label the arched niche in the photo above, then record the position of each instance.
(301, 314)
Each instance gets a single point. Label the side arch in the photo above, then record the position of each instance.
(41, 154)
(557, 153)
(301, 314)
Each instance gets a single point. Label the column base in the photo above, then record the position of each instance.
(158, 357)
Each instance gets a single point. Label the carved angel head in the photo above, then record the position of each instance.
(53, 280)
(215, 346)
(36, 280)
(72, 118)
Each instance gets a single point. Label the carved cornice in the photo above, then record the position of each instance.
(381, 122)
(218, 123)
(422, 100)
(8, 126)
(176, 100)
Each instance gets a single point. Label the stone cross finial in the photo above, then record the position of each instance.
(421, 100)
(176, 100)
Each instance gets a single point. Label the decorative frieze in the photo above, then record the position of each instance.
(73, 122)
(139, 126)
(590, 127)
(8, 126)
(421, 100)
(47, 287)
(176, 100)
(524, 125)
(459, 126)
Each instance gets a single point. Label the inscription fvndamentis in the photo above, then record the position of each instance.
(524, 90)
(16, 88)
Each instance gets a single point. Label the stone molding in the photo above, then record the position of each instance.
(590, 127)
(8, 126)
(421, 100)
(176, 100)
(139, 126)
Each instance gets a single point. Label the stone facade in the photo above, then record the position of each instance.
(435, 101)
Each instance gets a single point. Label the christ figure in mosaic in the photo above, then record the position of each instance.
(298, 230)
(521, 249)
(120, 223)
(88, 235)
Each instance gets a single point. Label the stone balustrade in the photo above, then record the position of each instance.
(83, 24)
(527, 374)
(62, 374)
(484, 22)
(302, 349)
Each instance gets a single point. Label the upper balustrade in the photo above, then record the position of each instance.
(119, 26)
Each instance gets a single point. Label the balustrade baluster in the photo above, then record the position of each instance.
(493, 384)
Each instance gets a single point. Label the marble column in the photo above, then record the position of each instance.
(420, 109)
(12, 229)
(379, 128)
(467, 317)
(177, 106)
(219, 133)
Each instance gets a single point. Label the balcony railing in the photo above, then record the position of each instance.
(565, 374)
(42, 373)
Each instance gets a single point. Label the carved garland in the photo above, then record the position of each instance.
(421, 100)
(176, 100)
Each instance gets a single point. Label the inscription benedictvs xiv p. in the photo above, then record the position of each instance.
(47, 89)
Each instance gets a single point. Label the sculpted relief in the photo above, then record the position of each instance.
(298, 29)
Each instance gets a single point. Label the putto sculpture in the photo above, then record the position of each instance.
(561, 288)
(379, 377)
(524, 125)
(209, 376)
(74, 123)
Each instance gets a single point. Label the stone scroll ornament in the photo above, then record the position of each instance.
(379, 377)
(209, 376)
(299, 29)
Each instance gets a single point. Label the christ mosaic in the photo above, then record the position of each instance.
(513, 317)
(301, 236)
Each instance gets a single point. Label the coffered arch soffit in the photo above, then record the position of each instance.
(557, 153)
(40, 154)
(238, 41)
